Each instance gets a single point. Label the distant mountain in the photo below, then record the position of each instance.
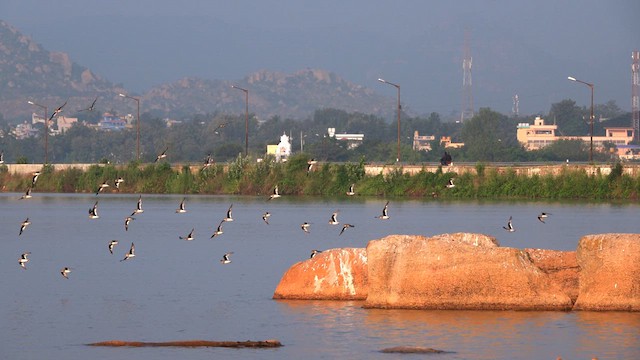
(30, 72)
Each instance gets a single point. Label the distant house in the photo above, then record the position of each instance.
(110, 122)
(446, 143)
(24, 131)
(352, 140)
(282, 151)
(64, 123)
(422, 142)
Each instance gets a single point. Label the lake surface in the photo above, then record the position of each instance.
(178, 290)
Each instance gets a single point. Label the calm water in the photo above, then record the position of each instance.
(175, 290)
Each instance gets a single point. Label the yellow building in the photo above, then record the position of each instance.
(538, 135)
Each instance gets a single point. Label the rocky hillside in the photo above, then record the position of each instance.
(28, 71)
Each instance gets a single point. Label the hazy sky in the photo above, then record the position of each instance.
(518, 47)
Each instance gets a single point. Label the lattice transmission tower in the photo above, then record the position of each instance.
(635, 93)
(516, 106)
(467, 90)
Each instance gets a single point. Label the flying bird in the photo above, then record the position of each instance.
(314, 253)
(117, 182)
(65, 272)
(305, 227)
(92, 106)
(218, 230)
(1, 157)
(345, 227)
(275, 194)
(220, 126)
(138, 209)
(543, 216)
(334, 219)
(181, 209)
(93, 212)
(131, 253)
(102, 186)
(385, 212)
(509, 226)
(127, 221)
(225, 258)
(229, 216)
(35, 178)
(310, 165)
(112, 244)
(23, 226)
(189, 236)
(24, 260)
(208, 162)
(27, 194)
(162, 155)
(265, 217)
(450, 184)
(58, 110)
(351, 191)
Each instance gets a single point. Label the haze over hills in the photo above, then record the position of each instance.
(30, 72)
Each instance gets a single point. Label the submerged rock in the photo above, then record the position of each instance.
(609, 272)
(336, 274)
(411, 350)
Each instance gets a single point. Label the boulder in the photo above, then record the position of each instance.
(336, 274)
(609, 272)
(457, 271)
(561, 266)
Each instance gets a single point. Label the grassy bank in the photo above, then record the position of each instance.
(245, 177)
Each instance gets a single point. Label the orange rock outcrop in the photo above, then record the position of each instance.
(561, 266)
(609, 272)
(336, 274)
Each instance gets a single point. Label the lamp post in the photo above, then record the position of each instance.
(46, 130)
(590, 117)
(137, 123)
(246, 118)
(399, 109)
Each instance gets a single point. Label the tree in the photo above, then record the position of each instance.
(483, 136)
(571, 119)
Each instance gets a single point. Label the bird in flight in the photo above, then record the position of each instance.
(275, 194)
(220, 126)
(351, 191)
(208, 162)
(162, 155)
(345, 227)
(102, 186)
(127, 221)
(543, 216)
(131, 253)
(138, 209)
(189, 236)
(225, 258)
(450, 184)
(305, 227)
(92, 106)
(117, 182)
(27, 195)
(334, 219)
(24, 260)
(112, 244)
(23, 226)
(509, 226)
(218, 230)
(35, 178)
(93, 212)
(314, 253)
(385, 212)
(181, 209)
(65, 272)
(229, 216)
(58, 110)
(1, 157)
(265, 217)
(310, 165)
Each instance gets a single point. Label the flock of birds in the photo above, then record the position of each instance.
(226, 258)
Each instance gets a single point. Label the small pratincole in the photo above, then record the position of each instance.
(345, 227)
(65, 272)
(275, 194)
(229, 216)
(509, 226)
(27, 195)
(23, 226)
(218, 230)
(265, 217)
(334, 219)
(351, 191)
(305, 227)
(93, 212)
(112, 244)
(225, 258)
(34, 179)
(189, 236)
(127, 221)
(181, 209)
(24, 260)
(385, 212)
(543, 216)
(162, 155)
(101, 188)
(450, 184)
(117, 182)
(138, 209)
(314, 253)
(310, 164)
(130, 254)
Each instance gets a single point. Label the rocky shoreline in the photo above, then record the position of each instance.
(466, 271)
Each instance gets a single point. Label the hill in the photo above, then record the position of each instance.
(30, 72)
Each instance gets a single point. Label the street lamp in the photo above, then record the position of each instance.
(399, 109)
(137, 122)
(246, 118)
(590, 117)
(46, 130)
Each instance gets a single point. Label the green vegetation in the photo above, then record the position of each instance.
(245, 177)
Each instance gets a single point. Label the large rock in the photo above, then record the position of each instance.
(610, 272)
(561, 266)
(336, 274)
(457, 271)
